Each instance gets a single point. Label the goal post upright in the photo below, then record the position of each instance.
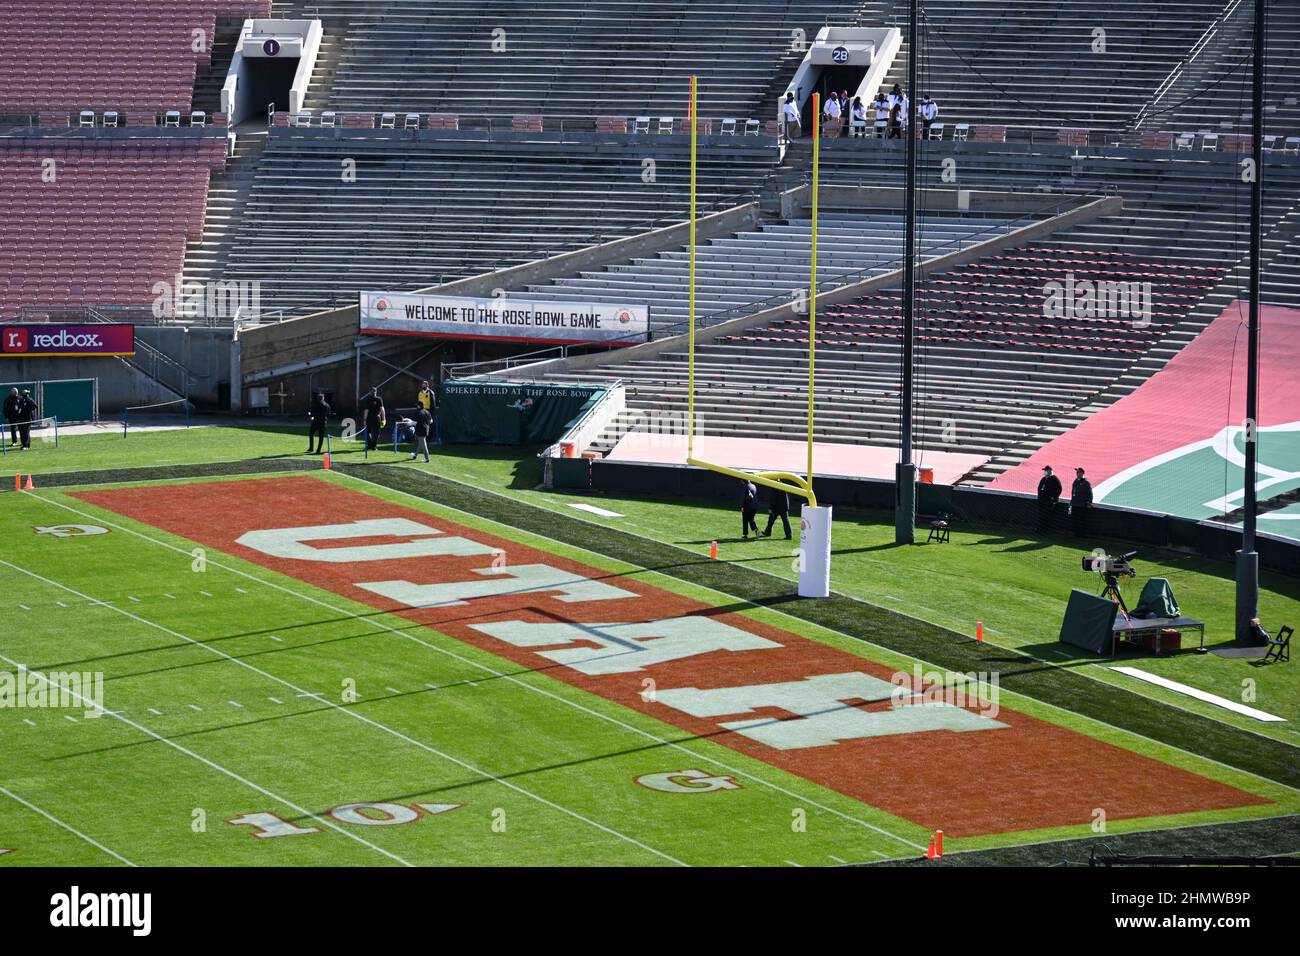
(815, 521)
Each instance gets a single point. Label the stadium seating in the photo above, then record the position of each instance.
(763, 268)
(416, 214)
(58, 56)
(591, 58)
(111, 223)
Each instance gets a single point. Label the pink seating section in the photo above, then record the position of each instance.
(113, 222)
(91, 55)
(998, 302)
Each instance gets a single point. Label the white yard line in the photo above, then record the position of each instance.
(592, 509)
(71, 829)
(351, 713)
(1206, 696)
(400, 632)
(220, 769)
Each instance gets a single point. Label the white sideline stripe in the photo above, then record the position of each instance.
(1206, 696)
(216, 766)
(491, 670)
(596, 511)
(73, 830)
(351, 713)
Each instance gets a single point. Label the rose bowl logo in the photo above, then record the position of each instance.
(624, 316)
(381, 305)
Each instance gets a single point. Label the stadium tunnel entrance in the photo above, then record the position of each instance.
(269, 81)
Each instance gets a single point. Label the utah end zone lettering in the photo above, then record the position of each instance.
(821, 704)
(808, 708)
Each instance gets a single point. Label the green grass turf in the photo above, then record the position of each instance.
(179, 446)
(138, 797)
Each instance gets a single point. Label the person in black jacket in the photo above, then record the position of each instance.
(1049, 493)
(372, 413)
(423, 424)
(748, 508)
(1080, 503)
(11, 415)
(319, 414)
(26, 412)
(778, 506)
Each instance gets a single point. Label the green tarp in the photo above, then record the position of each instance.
(1089, 622)
(1156, 600)
(512, 413)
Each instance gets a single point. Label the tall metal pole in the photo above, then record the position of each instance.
(690, 373)
(812, 281)
(905, 471)
(1247, 558)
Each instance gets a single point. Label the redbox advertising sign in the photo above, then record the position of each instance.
(66, 341)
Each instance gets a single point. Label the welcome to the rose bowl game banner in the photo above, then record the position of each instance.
(511, 320)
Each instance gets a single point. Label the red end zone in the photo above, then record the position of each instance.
(1022, 774)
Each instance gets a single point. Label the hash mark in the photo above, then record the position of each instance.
(70, 717)
(60, 604)
(883, 856)
(277, 639)
(234, 703)
(24, 607)
(155, 711)
(837, 859)
(29, 722)
(275, 700)
(241, 590)
(171, 596)
(132, 598)
(195, 708)
(205, 594)
(393, 690)
(793, 863)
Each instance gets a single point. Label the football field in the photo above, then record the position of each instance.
(314, 669)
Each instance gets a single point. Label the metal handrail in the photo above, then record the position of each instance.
(1167, 84)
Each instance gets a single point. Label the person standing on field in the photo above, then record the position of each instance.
(778, 506)
(319, 414)
(423, 423)
(1080, 503)
(748, 509)
(372, 414)
(26, 412)
(11, 415)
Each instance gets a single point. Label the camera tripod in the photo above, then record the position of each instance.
(1111, 590)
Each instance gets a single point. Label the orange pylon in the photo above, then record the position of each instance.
(930, 854)
(938, 843)
(713, 549)
(327, 461)
(979, 632)
(30, 486)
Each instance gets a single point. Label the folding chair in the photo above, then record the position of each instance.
(728, 127)
(303, 118)
(412, 121)
(960, 132)
(86, 118)
(666, 124)
(936, 131)
(1279, 648)
(329, 119)
(198, 118)
(752, 127)
(388, 121)
(641, 124)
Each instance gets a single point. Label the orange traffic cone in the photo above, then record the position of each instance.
(713, 549)
(327, 461)
(30, 486)
(979, 632)
(938, 843)
(930, 854)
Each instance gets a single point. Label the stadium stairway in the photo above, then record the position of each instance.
(228, 193)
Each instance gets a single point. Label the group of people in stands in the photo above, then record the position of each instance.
(888, 112)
